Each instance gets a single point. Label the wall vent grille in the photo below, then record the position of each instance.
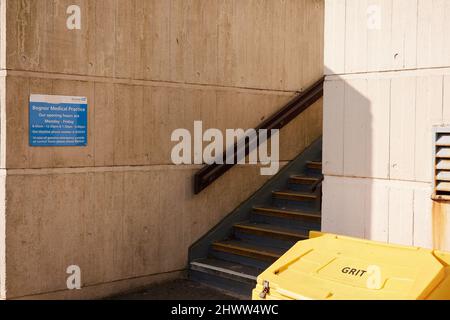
(441, 163)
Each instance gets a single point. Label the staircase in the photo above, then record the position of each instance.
(262, 229)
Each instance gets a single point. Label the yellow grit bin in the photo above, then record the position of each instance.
(332, 267)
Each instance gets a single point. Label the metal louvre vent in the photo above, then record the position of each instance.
(441, 163)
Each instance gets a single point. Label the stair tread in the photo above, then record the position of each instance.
(314, 164)
(295, 194)
(269, 228)
(227, 267)
(302, 177)
(243, 246)
(305, 180)
(296, 213)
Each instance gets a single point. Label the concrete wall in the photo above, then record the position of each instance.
(118, 208)
(386, 87)
(2, 149)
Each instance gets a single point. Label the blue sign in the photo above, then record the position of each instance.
(58, 121)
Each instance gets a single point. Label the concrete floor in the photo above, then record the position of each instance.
(178, 290)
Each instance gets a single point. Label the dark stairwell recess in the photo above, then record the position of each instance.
(268, 224)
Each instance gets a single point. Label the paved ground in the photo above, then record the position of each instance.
(178, 290)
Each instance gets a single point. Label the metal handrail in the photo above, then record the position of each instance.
(210, 173)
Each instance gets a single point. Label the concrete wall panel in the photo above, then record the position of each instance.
(132, 124)
(380, 125)
(113, 223)
(258, 44)
(381, 210)
(382, 35)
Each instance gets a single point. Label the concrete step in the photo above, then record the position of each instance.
(305, 180)
(294, 219)
(252, 252)
(234, 278)
(271, 231)
(226, 269)
(288, 214)
(304, 183)
(295, 196)
(317, 165)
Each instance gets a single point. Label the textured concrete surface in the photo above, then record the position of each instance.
(178, 290)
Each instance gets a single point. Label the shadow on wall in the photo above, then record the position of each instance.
(377, 147)
(347, 153)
